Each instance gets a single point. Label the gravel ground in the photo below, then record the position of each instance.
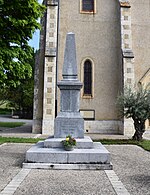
(53, 182)
(132, 165)
(11, 158)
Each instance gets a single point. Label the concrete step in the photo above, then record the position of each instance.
(51, 166)
(85, 143)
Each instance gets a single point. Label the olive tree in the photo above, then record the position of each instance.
(135, 104)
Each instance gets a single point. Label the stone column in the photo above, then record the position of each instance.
(50, 68)
(127, 54)
(69, 120)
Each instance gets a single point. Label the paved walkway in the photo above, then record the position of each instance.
(23, 131)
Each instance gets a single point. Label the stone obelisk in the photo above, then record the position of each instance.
(69, 120)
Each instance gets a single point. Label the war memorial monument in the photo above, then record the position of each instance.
(50, 153)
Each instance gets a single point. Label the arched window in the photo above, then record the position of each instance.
(87, 78)
(88, 5)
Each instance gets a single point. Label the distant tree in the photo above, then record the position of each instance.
(20, 98)
(135, 104)
(18, 22)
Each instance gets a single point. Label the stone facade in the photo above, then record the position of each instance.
(50, 68)
(45, 72)
(116, 41)
(127, 56)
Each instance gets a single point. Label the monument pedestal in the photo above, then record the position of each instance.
(69, 125)
(50, 154)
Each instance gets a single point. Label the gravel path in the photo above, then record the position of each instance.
(132, 165)
(52, 182)
(11, 158)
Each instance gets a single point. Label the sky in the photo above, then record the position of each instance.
(34, 42)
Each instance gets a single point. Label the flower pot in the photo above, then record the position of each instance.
(69, 148)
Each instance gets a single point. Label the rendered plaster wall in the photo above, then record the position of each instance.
(97, 38)
(140, 18)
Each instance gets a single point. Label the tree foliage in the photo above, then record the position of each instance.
(135, 104)
(18, 21)
(20, 98)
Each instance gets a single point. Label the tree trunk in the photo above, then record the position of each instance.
(139, 130)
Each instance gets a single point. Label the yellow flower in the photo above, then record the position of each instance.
(67, 138)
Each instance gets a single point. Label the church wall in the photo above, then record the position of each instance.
(140, 18)
(97, 38)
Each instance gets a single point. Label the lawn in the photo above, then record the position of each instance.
(18, 140)
(145, 144)
(11, 124)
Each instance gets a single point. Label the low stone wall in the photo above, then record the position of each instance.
(104, 127)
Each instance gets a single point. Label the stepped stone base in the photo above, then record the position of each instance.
(84, 143)
(50, 154)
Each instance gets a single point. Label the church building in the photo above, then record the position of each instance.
(112, 49)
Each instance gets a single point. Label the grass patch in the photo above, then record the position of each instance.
(11, 124)
(145, 144)
(18, 140)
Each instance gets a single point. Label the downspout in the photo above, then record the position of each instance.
(57, 61)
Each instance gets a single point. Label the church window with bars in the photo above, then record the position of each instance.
(87, 78)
